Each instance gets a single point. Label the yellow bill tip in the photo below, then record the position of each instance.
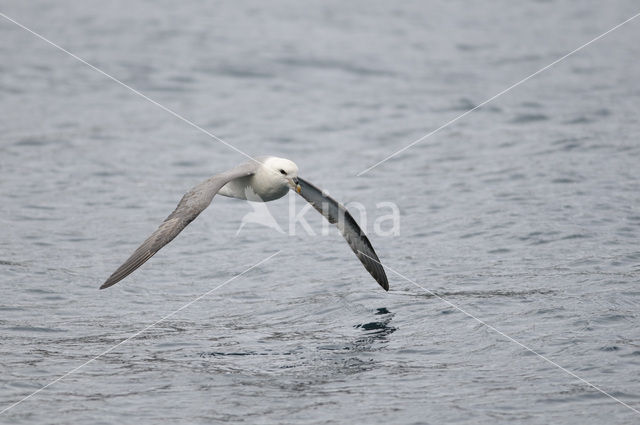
(298, 188)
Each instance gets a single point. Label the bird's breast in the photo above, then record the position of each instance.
(254, 189)
(268, 189)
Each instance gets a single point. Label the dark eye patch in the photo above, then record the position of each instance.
(282, 171)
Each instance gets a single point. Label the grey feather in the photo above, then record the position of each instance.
(337, 214)
(189, 207)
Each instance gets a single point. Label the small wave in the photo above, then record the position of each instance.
(484, 294)
(243, 354)
(332, 64)
(11, 263)
(528, 118)
(33, 329)
(242, 72)
(580, 120)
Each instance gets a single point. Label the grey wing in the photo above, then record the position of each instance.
(337, 214)
(189, 207)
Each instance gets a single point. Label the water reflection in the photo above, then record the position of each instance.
(376, 331)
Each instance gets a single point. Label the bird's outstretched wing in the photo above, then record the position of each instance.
(191, 204)
(337, 214)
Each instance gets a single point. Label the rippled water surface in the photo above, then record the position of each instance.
(524, 213)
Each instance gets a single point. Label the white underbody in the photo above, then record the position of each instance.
(266, 184)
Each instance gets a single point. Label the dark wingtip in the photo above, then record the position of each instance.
(107, 284)
(384, 284)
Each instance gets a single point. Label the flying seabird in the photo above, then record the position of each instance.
(263, 179)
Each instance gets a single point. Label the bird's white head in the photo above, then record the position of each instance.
(285, 170)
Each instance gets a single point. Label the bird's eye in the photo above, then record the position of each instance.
(282, 171)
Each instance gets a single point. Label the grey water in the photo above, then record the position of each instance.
(524, 213)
